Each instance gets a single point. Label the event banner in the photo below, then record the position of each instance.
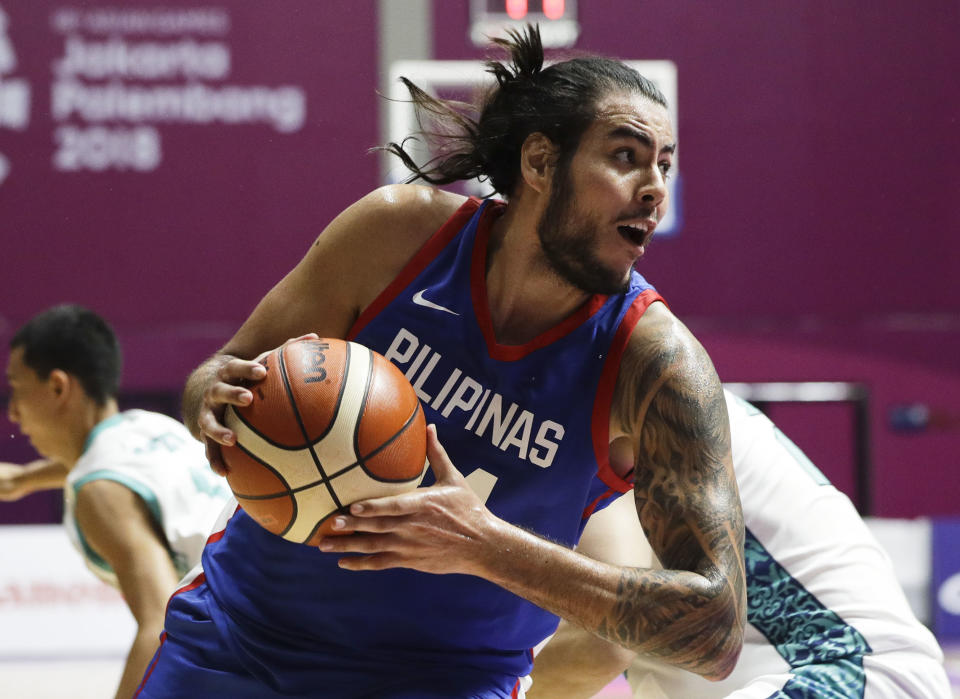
(165, 163)
(122, 76)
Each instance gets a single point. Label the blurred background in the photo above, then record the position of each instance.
(166, 163)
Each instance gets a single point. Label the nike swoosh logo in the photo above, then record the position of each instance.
(420, 301)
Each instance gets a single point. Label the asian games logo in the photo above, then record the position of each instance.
(14, 93)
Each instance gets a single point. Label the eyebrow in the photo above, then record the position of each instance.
(627, 132)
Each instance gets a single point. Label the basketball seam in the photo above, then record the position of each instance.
(261, 435)
(363, 407)
(319, 524)
(331, 476)
(336, 408)
(270, 468)
(395, 437)
(314, 484)
(267, 439)
(281, 362)
(324, 477)
(328, 479)
(307, 443)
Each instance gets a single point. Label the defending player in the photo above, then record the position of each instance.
(826, 616)
(533, 345)
(139, 498)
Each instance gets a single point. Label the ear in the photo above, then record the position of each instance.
(538, 154)
(60, 383)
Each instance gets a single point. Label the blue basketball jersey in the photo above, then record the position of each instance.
(527, 425)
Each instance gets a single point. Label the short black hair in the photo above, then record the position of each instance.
(76, 340)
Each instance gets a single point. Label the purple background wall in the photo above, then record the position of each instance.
(818, 152)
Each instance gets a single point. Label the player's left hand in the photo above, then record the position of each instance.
(442, 528)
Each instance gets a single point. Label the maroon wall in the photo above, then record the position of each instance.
(178, 255)
(818, 155)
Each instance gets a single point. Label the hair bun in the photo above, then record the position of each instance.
(526, 56)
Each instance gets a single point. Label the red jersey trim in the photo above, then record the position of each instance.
(192, 585)
(481, 308)
(201, 576)
(592, 507)
(437, 242)
(608, 381)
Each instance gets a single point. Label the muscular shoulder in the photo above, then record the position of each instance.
(664, 369)
(346, 267)
(409, 209)
(383, 230)
(396, 219)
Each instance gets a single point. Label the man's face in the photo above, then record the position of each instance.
(604, 205)
(33, 405)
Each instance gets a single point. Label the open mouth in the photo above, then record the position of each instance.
(635, 234)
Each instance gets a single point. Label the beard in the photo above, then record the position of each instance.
(569, 242)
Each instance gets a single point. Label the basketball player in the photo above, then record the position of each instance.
(826, 615)
(534, 346)
(139, 498)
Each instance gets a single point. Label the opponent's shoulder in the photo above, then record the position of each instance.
(109, 513)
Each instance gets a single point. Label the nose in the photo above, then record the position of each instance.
(12, 413)
(653, 191)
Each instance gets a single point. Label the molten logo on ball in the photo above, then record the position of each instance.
(332, 423)
(313, 362)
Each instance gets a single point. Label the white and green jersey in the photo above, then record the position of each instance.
(826, 615)
(156, 457)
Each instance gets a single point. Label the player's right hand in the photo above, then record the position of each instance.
(10, 488)
(229, 386)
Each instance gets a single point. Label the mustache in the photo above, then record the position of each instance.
(650, 213)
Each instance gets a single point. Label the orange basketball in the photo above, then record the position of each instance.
(333, 422)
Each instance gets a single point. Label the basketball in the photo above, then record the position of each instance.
(333, 422)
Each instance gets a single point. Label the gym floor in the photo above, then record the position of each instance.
(97, 678)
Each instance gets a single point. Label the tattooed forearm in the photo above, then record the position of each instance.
(684, 619)
(670, 403)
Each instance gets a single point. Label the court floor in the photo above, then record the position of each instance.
(96, 679)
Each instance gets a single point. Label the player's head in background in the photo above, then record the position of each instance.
(538, 118)
(64, 375)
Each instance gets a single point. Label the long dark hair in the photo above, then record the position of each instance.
(558, 101)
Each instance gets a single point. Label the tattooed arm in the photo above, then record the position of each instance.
(669, 405)
(669, 408)
(669, 411)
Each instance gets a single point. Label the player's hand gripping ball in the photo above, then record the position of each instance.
(333, 422)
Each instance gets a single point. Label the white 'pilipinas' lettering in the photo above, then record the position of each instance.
(462, 398)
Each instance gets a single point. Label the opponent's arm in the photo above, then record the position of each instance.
(576, 664)
(117, 524)
(348, 265)
(18, 481)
